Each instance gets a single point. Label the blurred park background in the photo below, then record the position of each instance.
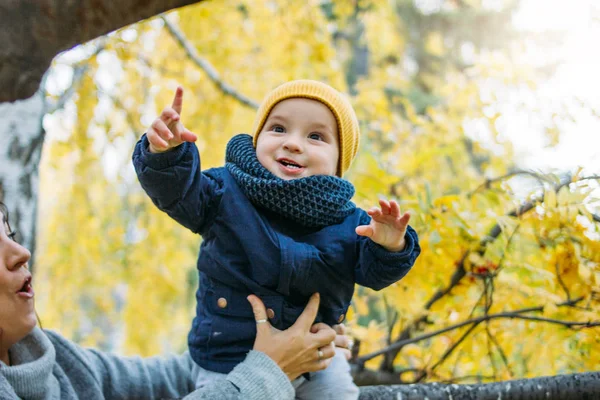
(482, 117)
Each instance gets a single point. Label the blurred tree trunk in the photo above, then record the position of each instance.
(22, 136)
(33, 32)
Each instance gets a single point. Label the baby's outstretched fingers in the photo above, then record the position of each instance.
(161, 129)
(404, 220)
(374, 212)
(394, 208)
(169, 115)
(385, 206)
(364, 230)
(156, 142)
(178, 100)
(188, 136)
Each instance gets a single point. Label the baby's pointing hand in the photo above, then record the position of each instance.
(167, 131)
(387, 227)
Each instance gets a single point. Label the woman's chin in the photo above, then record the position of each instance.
(30, 322)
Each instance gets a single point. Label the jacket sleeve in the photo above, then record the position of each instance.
(378, 268)
(175, 184)
(164, 377)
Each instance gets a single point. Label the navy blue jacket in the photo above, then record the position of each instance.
(248, 250)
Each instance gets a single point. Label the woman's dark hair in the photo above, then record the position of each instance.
(5, 220)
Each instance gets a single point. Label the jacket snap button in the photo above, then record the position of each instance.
(270, 313)
(222, 302)
(341, 318)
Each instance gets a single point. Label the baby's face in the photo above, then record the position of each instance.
(299, 139)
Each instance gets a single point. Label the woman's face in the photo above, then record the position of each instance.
(17, 313)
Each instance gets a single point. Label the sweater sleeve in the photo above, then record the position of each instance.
(174, 182)
(258, 377)
(160, 377)
(377, 268)
(6, 390)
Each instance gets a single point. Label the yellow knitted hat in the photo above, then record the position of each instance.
(348, 130)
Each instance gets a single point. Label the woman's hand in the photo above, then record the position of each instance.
(297, 349)
(343, 341)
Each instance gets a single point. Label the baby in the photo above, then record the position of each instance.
(276, 221)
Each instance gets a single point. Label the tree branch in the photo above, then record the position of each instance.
(460, 271)
(488, 182)
(516, 314)
(210, 71)
(560, 387)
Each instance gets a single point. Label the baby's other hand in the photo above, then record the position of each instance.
(167, 131)
(388, 225)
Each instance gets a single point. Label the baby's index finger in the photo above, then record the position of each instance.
(178, 100)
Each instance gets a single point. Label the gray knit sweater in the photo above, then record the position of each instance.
(47, 366)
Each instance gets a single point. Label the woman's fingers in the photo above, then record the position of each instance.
(260, 314)
(340, 329)
(346, 353)
(324, 337)
(342, 341)
(327, 351)
(306, 319)
(318, 326)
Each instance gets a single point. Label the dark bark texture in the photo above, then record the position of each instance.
(33, 32)
(585, 386)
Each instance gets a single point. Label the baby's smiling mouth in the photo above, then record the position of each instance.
(286, 162)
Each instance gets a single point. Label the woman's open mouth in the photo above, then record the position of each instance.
(27, 289)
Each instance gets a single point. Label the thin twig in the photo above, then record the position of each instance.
(206, 66)
(499, 349)
(488, 182)
(489, 350)
(451, 349)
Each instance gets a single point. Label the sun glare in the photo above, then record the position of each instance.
(569, 32)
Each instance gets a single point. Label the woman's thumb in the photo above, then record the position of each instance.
(258, 308)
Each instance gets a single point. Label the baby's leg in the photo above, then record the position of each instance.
(204, 376)
(333, 383)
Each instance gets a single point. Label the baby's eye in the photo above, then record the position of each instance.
(315, 136)
(278, 129)
(11, 235)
